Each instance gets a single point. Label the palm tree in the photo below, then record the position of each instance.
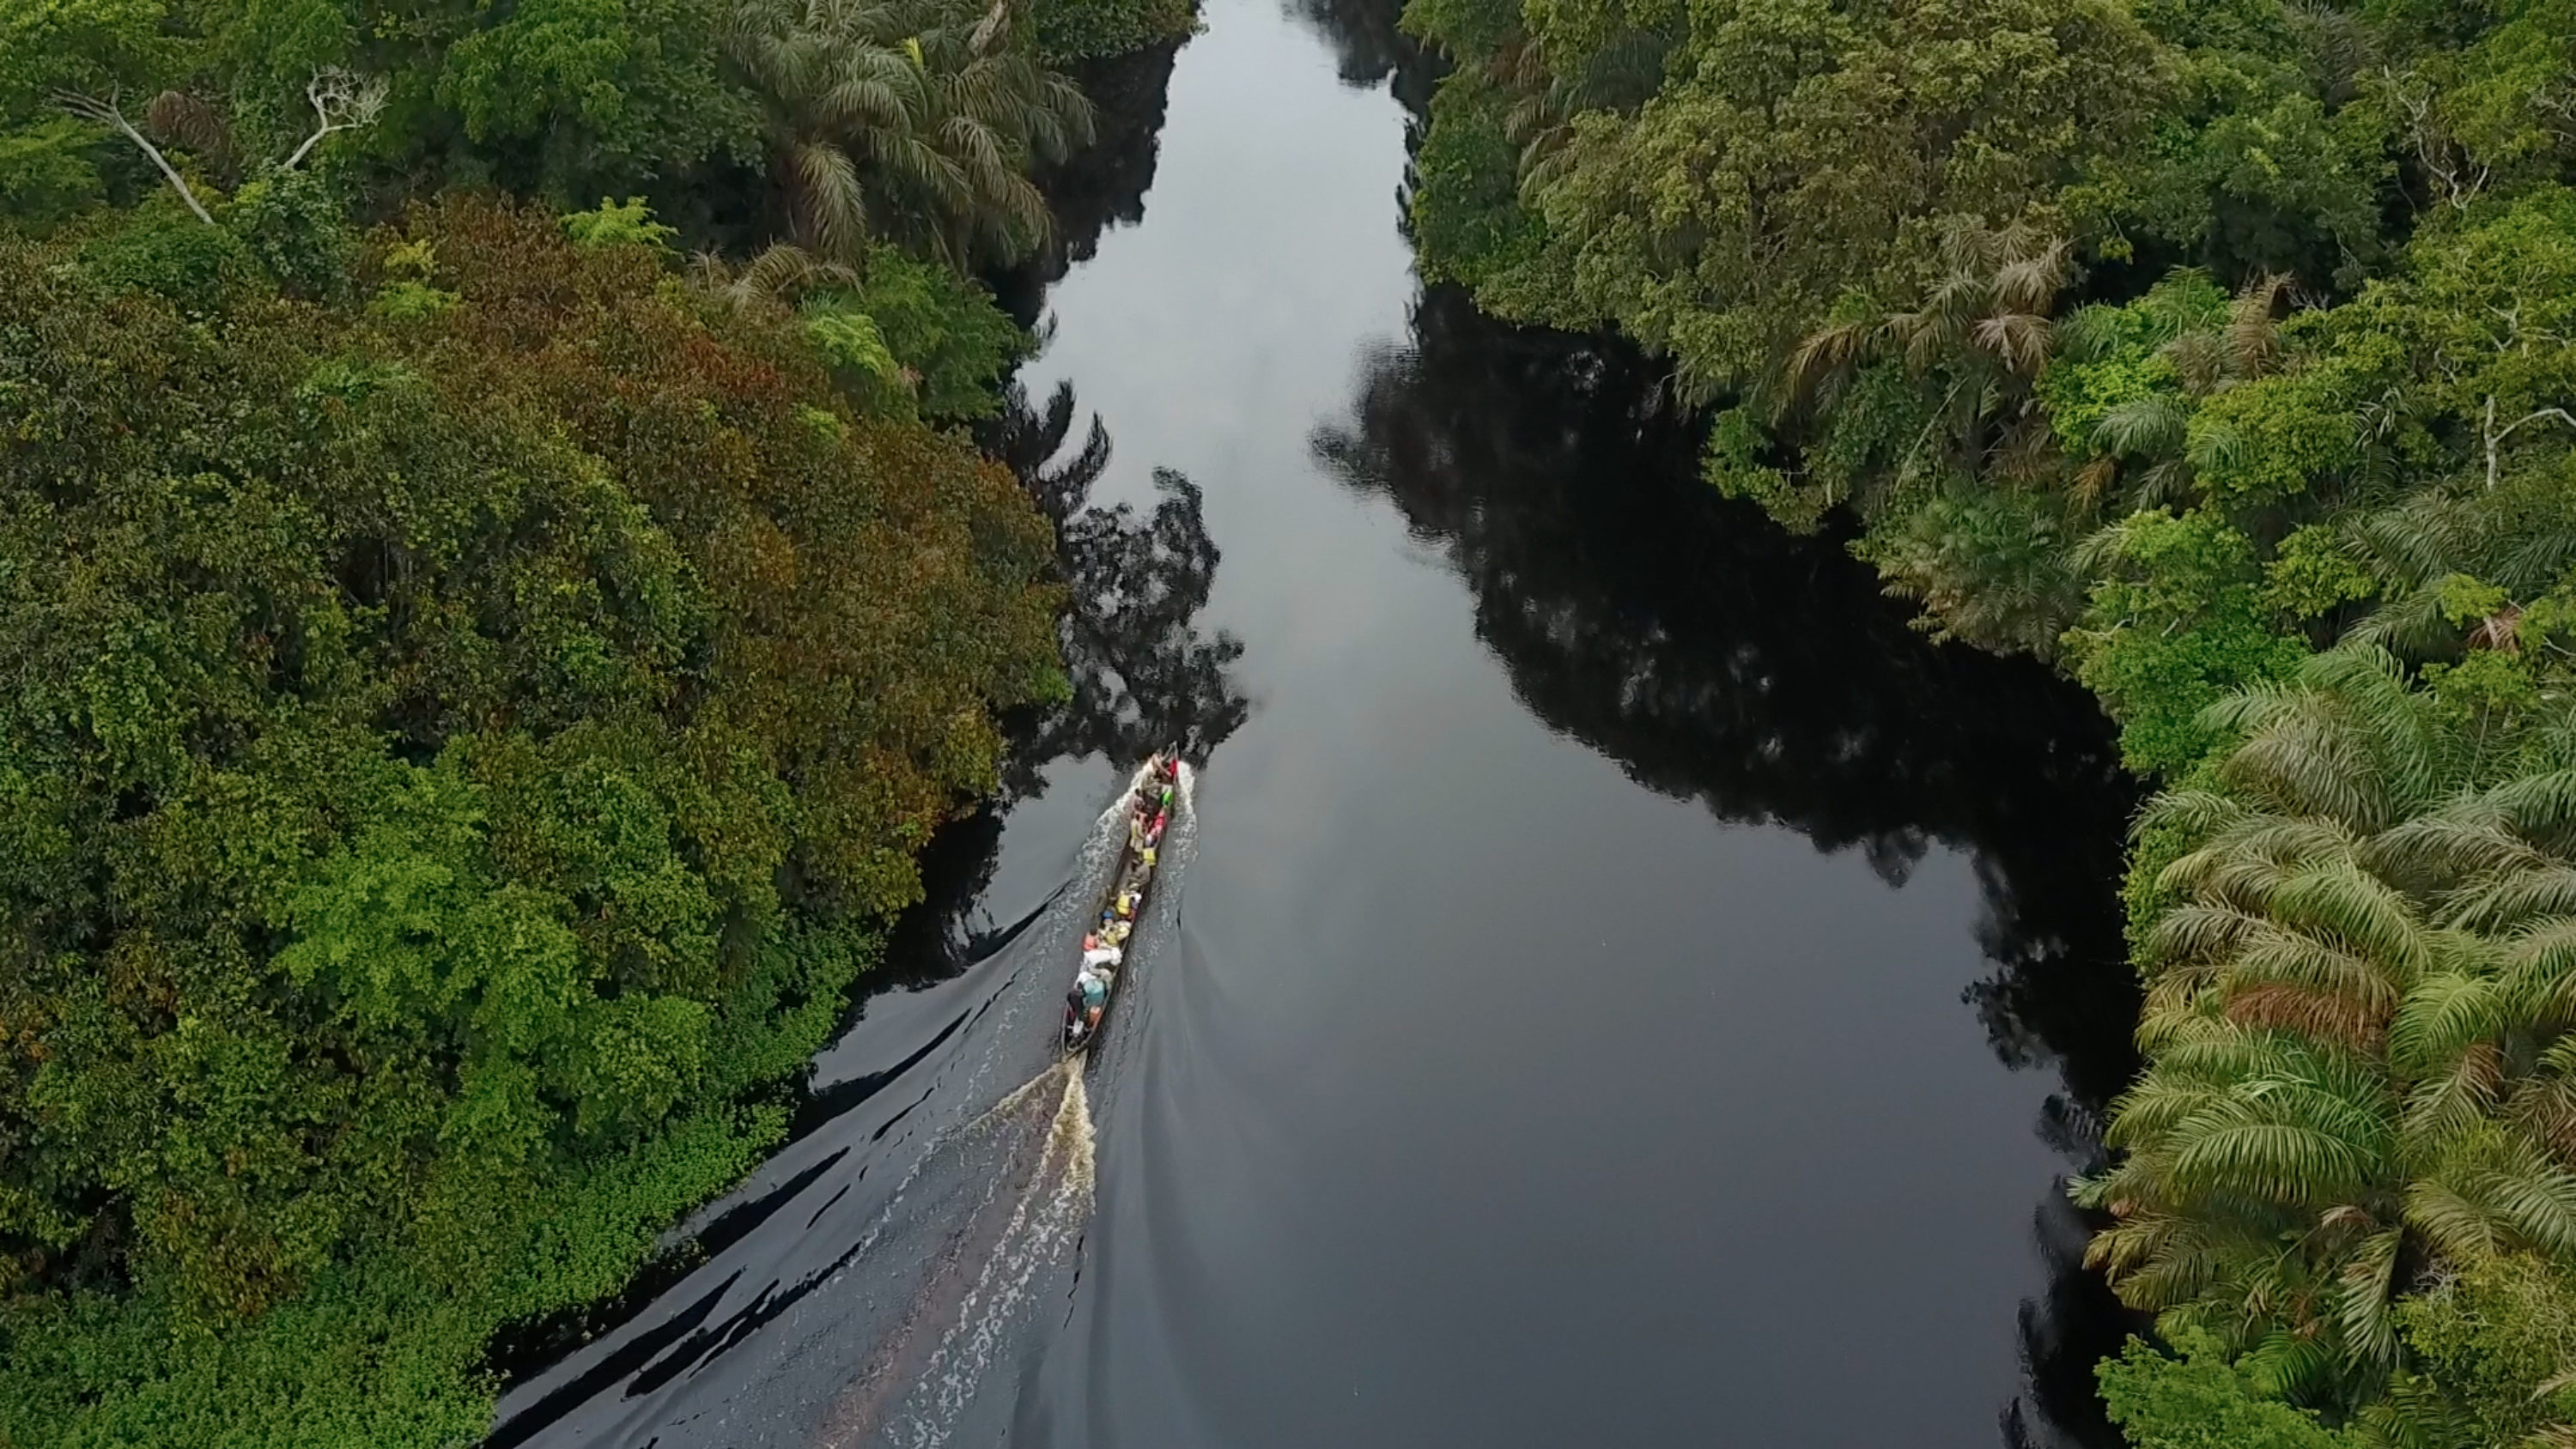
(914, 121)
(777, 277)
(1620, 74)
(1987, 563)
(2362, 984)
(1979, 335)
(2211, 348)
(2518, 536)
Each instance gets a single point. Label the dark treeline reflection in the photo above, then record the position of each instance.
(1720, 660)
(1103, 185)
(1368, 49)
(1143, 675)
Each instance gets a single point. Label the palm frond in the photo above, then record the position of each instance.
(2494, 1190)
(2541, 806)
(2153, 426)
(182, 119)
(2540, 972)
(2290, 1162)
(2451, 845)
(2091, 333)
(2321, 1015)
(1822, 358)
(2019, 340)
(2514, 899)
(2369, 1289)
(830, 199)
(2029, 282)
(2455, 1100)
(2252, 337)
(2200, 359)
(782, 272)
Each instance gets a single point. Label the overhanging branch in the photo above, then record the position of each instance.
(2496, 435)
(341, 102)
(106, 112)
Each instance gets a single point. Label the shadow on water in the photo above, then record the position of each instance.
(876, 1281)
(890, 1273)
(977, 1202)
(1718, 661)
(1142, 675)
(1103, 186)
(1369, 50)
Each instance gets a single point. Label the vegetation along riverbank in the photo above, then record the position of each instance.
(481, 658)
(2220, 354)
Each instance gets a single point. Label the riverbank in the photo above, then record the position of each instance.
(1600, 885)
(2200, 355)
(484, 680)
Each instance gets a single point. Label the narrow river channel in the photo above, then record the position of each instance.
(1616, 985)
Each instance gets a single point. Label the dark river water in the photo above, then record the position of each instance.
(1615, 984)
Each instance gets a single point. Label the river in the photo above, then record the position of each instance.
(1616, 983)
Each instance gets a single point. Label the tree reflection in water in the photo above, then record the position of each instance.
(1719, 660)
(1369, 49)
(1143, 676)
(1103, 185)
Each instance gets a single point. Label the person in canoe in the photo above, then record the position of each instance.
(1140, 821)
(1087, 1001)
(1149, 817)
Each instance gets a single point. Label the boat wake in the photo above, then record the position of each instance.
(1026, 1228)
(980, 1296)
(890, 1274)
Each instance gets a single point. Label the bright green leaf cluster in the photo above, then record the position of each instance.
(462, 750)
(2198, 1401)
(2175, 622)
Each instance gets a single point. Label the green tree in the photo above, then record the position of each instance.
(2177, 618)
(1072, 31)
(1794, 153)
(2493, 1351)
(2198, 1401)
(73, 75)
(601, 93)
(2354, 1024)
(909, 120)
(465, 749)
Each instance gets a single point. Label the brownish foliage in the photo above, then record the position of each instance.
(450, 741)
(848, 553)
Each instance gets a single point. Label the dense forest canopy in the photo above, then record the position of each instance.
(480, 677)
(2222, 355)
(739, 118)
(452, 749)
